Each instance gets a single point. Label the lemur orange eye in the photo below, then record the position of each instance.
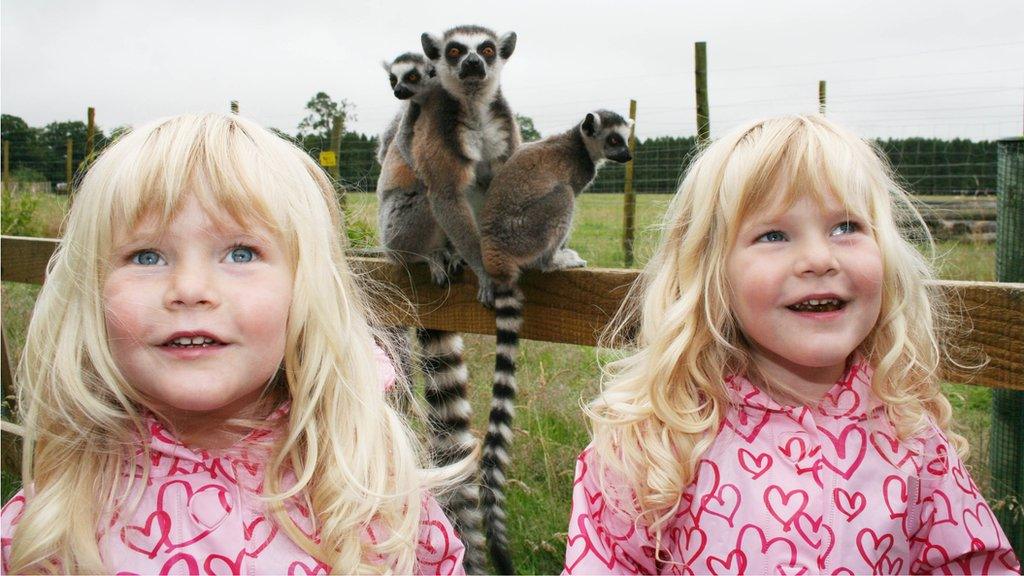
(413, 77)
(488, 51)
(453, 52)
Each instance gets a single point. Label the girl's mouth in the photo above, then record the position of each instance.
(818, 305)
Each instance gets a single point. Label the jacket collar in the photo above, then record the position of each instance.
(163, 443)
(850, 397)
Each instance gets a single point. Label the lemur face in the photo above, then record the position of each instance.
(607, 136)
(469, 57)
(409, 74)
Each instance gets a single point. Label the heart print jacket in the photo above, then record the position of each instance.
(827, 489)
(201, 513)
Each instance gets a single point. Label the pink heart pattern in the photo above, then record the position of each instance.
(791, 490)
(202, 513)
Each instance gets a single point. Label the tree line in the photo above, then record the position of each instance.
(924, 165)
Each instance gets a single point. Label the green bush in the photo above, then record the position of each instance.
(361, 234)
(18, 213)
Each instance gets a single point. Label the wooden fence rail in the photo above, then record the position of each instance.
(573, 306)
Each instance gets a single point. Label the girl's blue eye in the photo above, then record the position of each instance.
(846, 228)
(773, 236)
(146, 258)
(242, 254)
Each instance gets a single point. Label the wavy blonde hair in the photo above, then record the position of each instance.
(663, 401)
(354, 458)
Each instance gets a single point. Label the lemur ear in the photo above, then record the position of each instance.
(591, 124)
(431, 72)
(431, 46)
(508, 45)
(386, 66)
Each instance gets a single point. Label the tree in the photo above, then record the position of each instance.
(25, 149)
(315, 128)
(54, 139)
(526, 128)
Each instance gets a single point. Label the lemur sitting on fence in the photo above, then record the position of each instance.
(463, 133)
(525, 223)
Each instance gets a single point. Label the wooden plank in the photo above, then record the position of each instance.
(573, 306)
(24, 259)
(993, 326)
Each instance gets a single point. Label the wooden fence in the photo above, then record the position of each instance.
(574, 306)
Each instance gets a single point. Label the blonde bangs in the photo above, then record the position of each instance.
(228, 167)
(780, 162)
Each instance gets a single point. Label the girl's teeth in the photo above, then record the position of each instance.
(193, 341)
(818, 305)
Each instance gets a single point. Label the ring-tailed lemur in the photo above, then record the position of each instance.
(525, 223)
(406, 225)
(411, 75)
(409, 233)
(463, 133)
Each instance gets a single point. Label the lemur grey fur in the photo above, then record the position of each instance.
(411, 75)
(525, 223)
(410, 233)
(463, 133)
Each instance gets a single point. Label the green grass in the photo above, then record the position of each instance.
(554, 378)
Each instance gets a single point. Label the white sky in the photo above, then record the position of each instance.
(896, 68)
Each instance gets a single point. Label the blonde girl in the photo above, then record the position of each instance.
(200, 390)
(781, 413)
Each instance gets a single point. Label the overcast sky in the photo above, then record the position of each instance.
(896, 68)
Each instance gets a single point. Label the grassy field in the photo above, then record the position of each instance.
(555, 378)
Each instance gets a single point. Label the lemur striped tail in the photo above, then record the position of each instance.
(445, 389)
(508, 303)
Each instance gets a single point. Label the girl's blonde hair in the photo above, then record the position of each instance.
(661, 405)
(353, 457)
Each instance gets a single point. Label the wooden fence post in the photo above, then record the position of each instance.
(629, 206)
(703, 114)
(234, 106)
(90, 137)
(69, 169)
(336, 127)
(821, 97)
(1006, 440)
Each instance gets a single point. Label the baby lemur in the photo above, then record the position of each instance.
(525, 223)
(411, 75)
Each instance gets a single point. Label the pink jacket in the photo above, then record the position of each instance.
(798, 490)
(200, 513)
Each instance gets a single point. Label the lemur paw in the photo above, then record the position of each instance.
(485, 292)
(453, 263)
(438, 272)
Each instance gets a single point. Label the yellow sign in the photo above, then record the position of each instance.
(328, 159)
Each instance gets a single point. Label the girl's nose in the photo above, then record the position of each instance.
(816, 257)
(192, 285)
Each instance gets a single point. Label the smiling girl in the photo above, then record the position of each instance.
(200, 389)
(781, 413)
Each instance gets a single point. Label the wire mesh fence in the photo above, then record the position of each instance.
(1007, 436)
